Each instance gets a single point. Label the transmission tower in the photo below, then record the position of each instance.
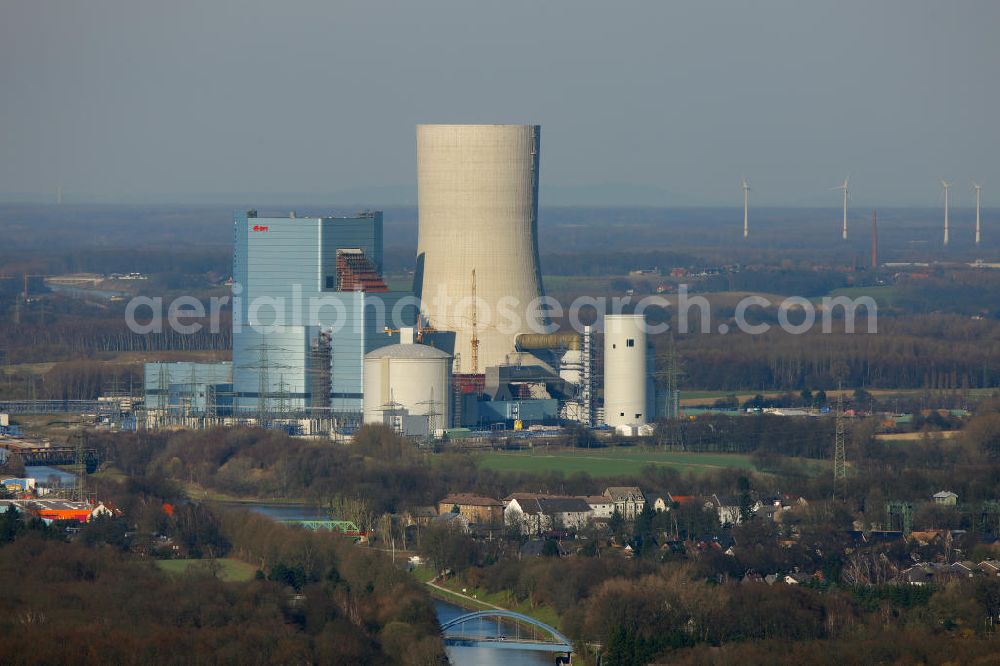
(163, 395)
(840, 453)
(432, 414)
(263, 366)
(671, 378)
(263, 386)
(394, 410)
(80, 467)
(163, 383)
(188, 401)
(282, 396)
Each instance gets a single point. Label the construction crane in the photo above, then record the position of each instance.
(475, 327)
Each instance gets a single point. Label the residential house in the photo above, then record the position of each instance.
(601, 506)
(946, 498)
(727, 507)
(629, 500)
(524, 514)
(571, 513)
(964, 569)
(534, 515)
(769, 512)
(680, 500)
(537, 547)
(933, 572)
(657, 502)
(930, 537)
(456, 520)
(475, 508)
(521, 497)
(420, 515)
(661, 503)
(989, 567)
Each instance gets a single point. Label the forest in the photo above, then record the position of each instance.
(98, 597)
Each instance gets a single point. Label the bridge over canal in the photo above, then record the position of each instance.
(505, 629)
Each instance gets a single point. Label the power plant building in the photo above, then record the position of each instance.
(309, 303)
(478, 235)
(317, 334)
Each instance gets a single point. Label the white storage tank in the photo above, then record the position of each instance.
(408, 387)
(625, 370)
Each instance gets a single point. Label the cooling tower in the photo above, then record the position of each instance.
(478, 209)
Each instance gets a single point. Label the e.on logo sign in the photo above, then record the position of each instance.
(259, 227)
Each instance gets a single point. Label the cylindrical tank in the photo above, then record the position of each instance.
(478, 211)
(407, 380)
(625, 370)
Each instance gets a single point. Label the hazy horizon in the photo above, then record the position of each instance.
(650, 104)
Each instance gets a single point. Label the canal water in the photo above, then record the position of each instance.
(485, 656)
(44, 475)
(283, 511)
(85, 293)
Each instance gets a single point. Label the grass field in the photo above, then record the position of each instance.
(230, 570)
(881, 295)
(609, 462)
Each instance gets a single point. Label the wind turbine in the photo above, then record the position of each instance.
(746, 207)
(844, 188)
(979, 200)
(946, 185)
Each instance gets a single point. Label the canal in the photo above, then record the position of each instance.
(52, 477)
(280, 511)
(458, 656)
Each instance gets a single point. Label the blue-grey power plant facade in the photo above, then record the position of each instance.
(308, 302)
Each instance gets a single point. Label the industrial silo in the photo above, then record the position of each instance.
(625, 370)
(407, 386)
(478, 210)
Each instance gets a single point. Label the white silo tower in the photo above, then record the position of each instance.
(625, 370)
(478, 209)
(408, 387)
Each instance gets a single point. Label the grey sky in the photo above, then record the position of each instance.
(129, 99)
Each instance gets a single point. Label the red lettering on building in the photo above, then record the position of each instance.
(260, 227)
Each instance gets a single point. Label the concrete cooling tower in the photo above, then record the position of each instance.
(478, 210)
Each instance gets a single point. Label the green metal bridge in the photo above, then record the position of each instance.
(345, 527)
